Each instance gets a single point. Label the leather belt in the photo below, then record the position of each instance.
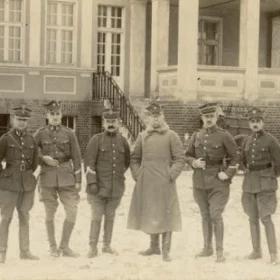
(259, 167)
(213, 162)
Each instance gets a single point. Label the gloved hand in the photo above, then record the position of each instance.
(199, 163)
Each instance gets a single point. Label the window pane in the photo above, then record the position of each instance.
(101, 41)
(2, 7)
(210, 30)
(67, 46)
(15, 7)
(51, 45)
(102, 16)
(67, 14)
(115, 54)
(14, 43)
(52, 13)
(116, 17)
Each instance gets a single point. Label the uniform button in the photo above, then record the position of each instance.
(22, 155)
(114, 171)
(253, 150)
(206, 135)
(113, 144)
(205, 141)
(114, 165)
(204, 148)
(114, 151)
(114, 158)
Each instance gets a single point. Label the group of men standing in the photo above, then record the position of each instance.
(156, 160)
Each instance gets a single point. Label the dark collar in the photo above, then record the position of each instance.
(54, 127)
(258, 134)
(211, 129)
(19, 133)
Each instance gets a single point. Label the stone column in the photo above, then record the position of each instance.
(86, 36)
(137, 47)
(160, 39)
(249, 45)
(187, 49)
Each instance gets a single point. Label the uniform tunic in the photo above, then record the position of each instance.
(60, 143)
(261, 158)
(17, 183)
(217, 147)
(156, 162)
(107, 154)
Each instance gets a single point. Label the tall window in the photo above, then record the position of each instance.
(61, 32)
(210, 41)
(110, 39)
(11, 30)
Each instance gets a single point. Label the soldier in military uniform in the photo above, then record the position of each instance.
(106, 160)
(17, 182)
(211, 179)
(261, 158)
(60, 176)
(156, 162)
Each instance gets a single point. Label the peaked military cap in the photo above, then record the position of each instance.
(111, 114)
(154, 107)
(53, 105)
(208, 108)
(255, 113)
(22, 111)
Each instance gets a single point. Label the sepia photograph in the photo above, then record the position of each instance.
(139, 139)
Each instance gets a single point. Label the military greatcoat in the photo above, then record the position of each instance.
(156, 162)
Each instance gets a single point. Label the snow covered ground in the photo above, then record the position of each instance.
(131, 266)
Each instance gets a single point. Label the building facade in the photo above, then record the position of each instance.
(188, 49)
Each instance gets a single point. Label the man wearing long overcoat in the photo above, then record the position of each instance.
(261, 159)
(156, 162)
(17, 182)
(207, 152)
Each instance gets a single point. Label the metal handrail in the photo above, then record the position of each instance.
(105, 87)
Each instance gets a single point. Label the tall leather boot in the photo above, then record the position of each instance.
(154, 246)
(271, 240)
(54, 252)
(256, 240)
(207, 230)
(108, 232)
(93, 238)
(166, 245)
(4, 233)
(219, 237)
(25, 253)
(64, 244)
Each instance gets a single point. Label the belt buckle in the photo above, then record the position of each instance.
(22, 167)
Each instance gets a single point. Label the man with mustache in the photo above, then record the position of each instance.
(17, 182)
(107, 158)
(156, 161)
(206, 154)
(261, 158)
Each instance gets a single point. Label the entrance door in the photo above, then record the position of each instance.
(110, 42)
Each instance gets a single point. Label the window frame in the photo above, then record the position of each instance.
(61, 28)
(109, 31)
(219, 21)
(23, 39)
